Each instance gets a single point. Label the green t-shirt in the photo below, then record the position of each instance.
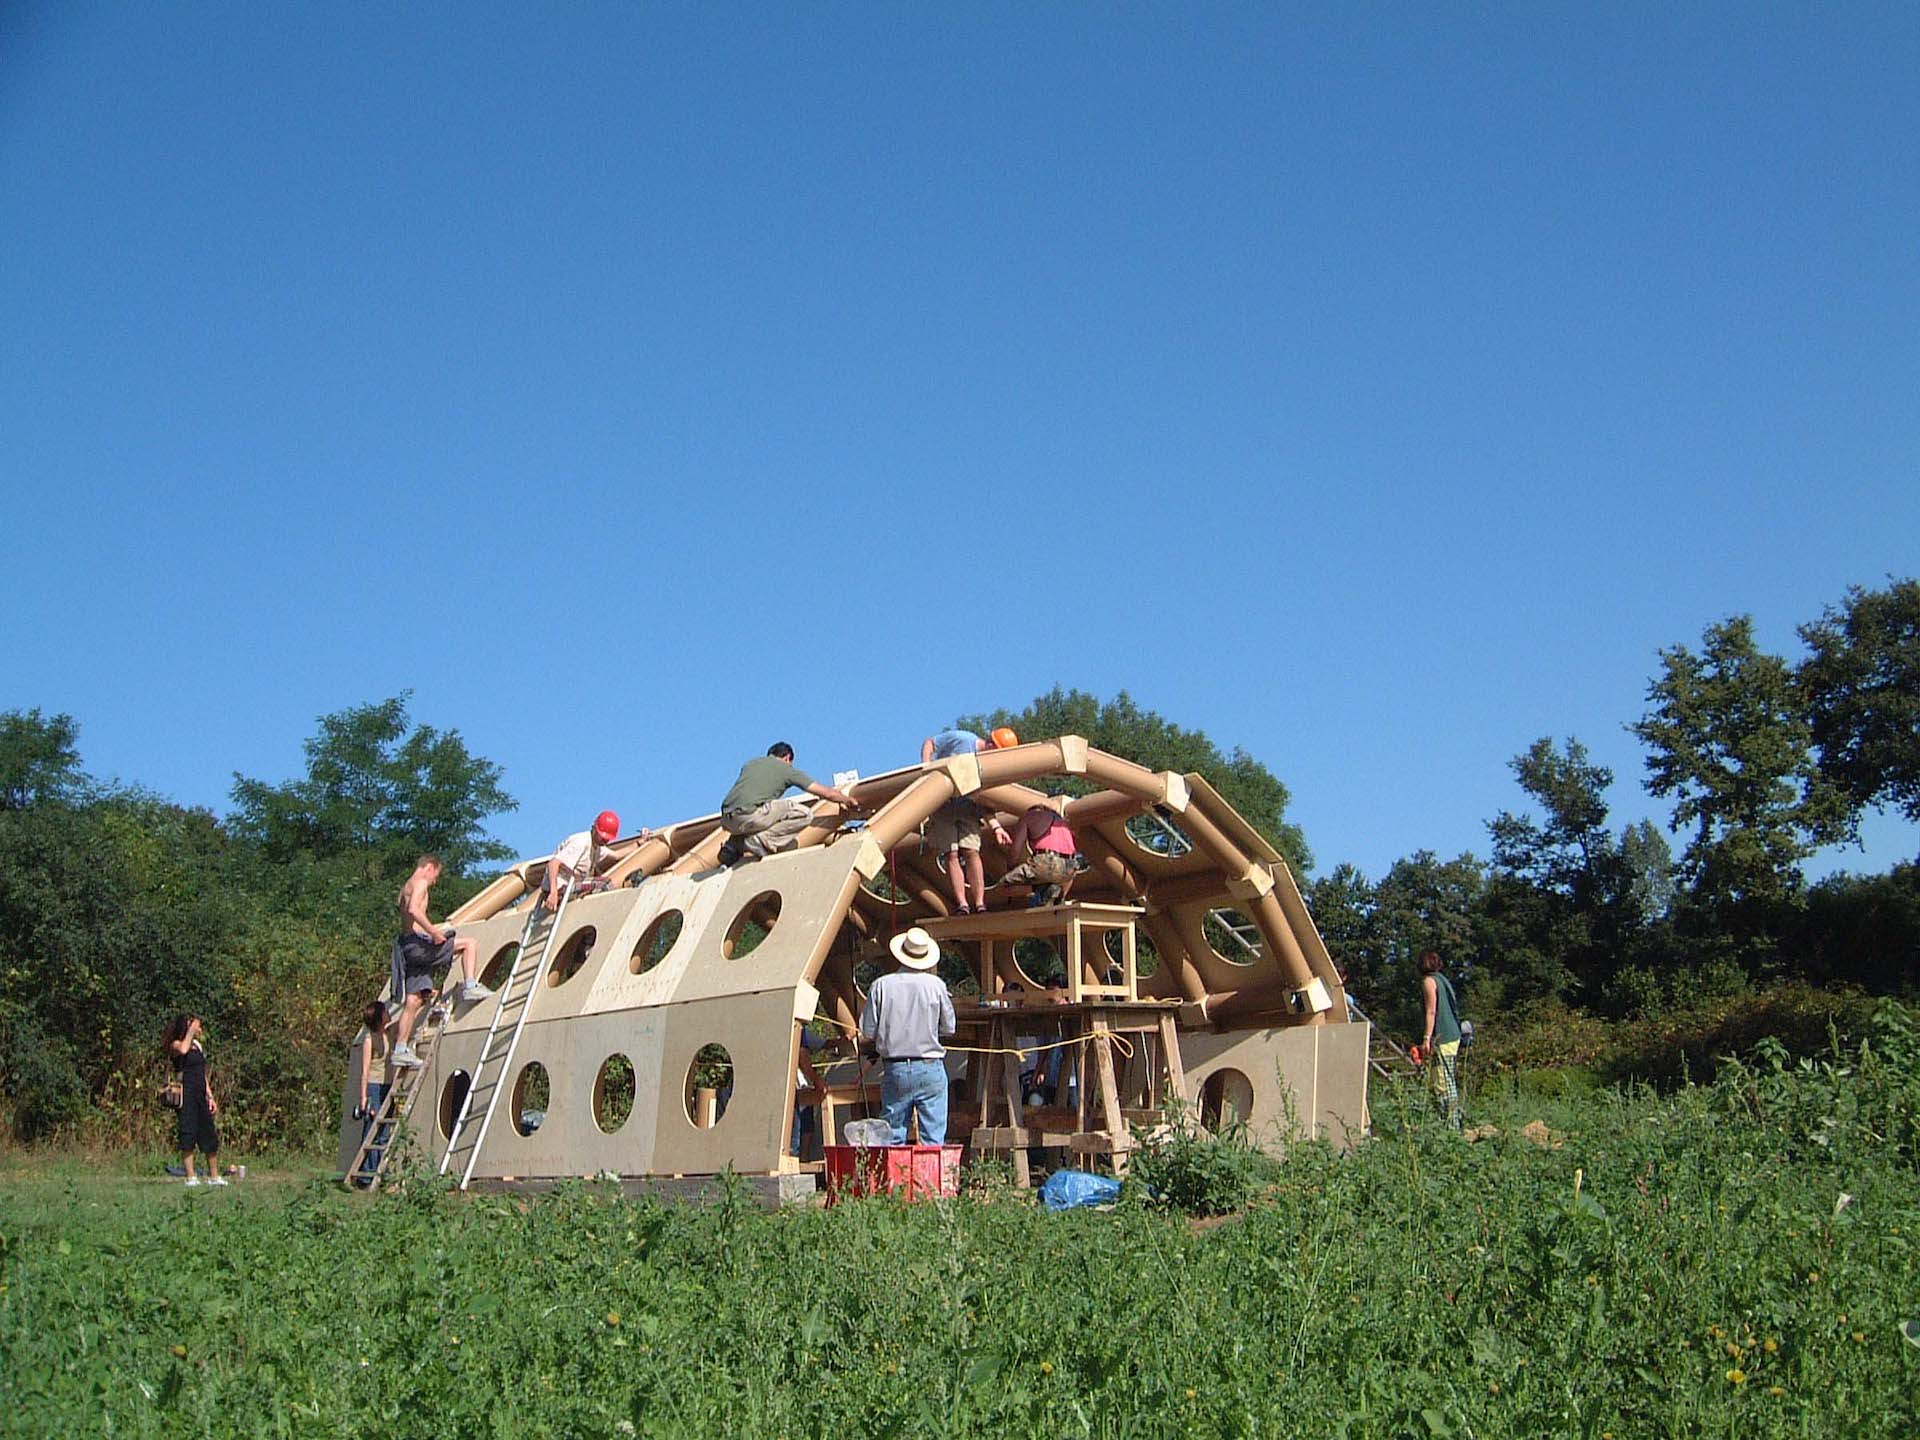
(764, 778)
(1446, 1011)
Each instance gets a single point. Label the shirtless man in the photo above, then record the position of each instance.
(423, 947)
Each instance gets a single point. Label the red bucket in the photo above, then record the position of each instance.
(913, 1172)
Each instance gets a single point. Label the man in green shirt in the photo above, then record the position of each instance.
(762, 818)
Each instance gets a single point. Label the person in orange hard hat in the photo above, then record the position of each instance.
(579, 859)
(953, 831)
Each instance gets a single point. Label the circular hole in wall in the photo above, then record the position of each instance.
(1233, 936)
(572, 956)
(882, 887)
(1146, 957)
(709, 1086)
(1159, 835)
(613, 1093)
(531, 1094)
(1039, 964)
(452, 1094)
(751, 926)
(500, 966)
(657, 941)
(1226, 1098)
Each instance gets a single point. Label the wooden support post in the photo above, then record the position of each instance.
(1107, 1085)
(1170, 1058)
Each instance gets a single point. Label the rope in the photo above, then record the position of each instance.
(1110, 1037)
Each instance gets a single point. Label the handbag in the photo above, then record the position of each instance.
(170, 1095)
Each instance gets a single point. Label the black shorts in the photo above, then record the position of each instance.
(197, 1130)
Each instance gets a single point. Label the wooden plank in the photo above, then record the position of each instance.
(1022, 923)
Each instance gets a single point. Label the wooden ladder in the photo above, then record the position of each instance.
(377, 1144)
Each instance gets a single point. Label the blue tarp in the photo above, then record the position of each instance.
(1069, 1189)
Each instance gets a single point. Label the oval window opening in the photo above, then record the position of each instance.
(613, 1093)
(751, 926)
(1226, 1099)
(572, 956)
(452, 1095)
(1159, 835)
(709, 1086)
(531, 1094)
(656, 942)
(500, 966)
(1039, 964)
(1234, 937)
(1146, 956)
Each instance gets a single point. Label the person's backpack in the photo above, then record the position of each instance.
(1459, 1014)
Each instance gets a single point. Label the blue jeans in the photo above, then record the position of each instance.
(911, 1085)
(376, 1092)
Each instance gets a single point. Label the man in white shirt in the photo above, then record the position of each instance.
(907, 1016)
(578, 859)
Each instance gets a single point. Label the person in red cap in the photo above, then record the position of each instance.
(421, 949)
(578, 859)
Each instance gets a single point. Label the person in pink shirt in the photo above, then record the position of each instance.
(1046, 854)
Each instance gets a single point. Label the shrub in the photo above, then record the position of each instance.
(1181, 1166)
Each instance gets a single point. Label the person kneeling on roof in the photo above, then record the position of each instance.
(578, 859)
(907, 1015)
(759, 814)
(1044, 845)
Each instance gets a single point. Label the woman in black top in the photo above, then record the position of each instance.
(197, 1105)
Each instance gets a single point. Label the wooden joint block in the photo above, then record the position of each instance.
(1178, 796)
(1252, 885)
(869, 859)
(964, 771)
(1073, 754)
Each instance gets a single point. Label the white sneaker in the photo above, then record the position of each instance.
(192, 1181)
(403, 1058)
(473, 992)
(218, 1180)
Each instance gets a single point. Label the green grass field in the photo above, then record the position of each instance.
(1732, 1260)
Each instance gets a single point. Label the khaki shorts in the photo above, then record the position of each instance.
(1047, 867)
(955, 827)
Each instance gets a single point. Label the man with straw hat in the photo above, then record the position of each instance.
(907, 1015)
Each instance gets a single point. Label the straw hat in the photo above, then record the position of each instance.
(915, 949)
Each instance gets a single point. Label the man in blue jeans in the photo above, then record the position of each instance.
(907, 1015)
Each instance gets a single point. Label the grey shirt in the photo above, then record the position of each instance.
(907, 1015)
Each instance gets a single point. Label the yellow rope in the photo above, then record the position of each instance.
(1111, 1037)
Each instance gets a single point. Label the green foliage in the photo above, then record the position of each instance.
(1729, 739)
(118, 910)
(1861, 679)
(1122, 728)
(1182, 1166)
(377, 794)
(38, 759)
(1419, 1286)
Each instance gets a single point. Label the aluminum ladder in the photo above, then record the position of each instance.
(518, 999)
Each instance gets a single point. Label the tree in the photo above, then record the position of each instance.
(1729, 740)
(1568, 851)
(38, 761)
(1122, 728)
(1341, 903)
(1423, 903)
(1861, 680)
(379, 794)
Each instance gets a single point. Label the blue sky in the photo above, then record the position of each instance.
(1376, 389)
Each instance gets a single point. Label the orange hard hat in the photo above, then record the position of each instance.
(1004, 738)
(607, 825)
